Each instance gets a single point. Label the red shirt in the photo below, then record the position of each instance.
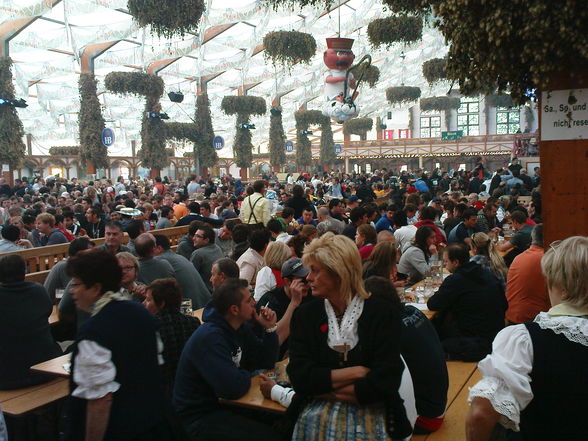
(366, 251)
(526, 291)
(439, 236)
(278, 275)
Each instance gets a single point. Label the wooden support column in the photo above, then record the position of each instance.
(563, 162)
(379, 131)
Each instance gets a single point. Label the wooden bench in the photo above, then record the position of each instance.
(460, 374)
(22, 401)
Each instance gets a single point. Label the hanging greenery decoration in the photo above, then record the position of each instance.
(277, 138)
(168, 18)
(417, 7)
(243, 107)
(434, 70)
(135, 83)
(439, 103)
(358, 126)
(402, 94)
(304, 119)
(12, 147)
(289, 47)
(371, 75)
(203, 146)
(496, 45)
(65, 150)
(499, 100)
(395, 29)
(91, 124)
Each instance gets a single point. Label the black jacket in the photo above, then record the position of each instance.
(471, 303)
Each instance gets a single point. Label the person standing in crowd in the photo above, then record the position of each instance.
(217, 362)
(526, 291)
(25, 337)
(471, 307)
(115, 355)
(533, 382)
(206, 252)
(345, 352)
(163, 298)
(255, 208)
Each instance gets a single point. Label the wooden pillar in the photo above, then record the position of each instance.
(379, 131)
(563, 162)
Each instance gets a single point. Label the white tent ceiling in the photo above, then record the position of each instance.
(47, 64)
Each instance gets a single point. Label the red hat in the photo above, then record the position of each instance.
(340, 44)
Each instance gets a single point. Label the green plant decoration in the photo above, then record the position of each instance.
(497, 46)
(12, 147)
(417, 7)
(171, 152)
(64, 151)
(135, 83)
(434, 70)
(243, 107)
(402, 94)
(153, 135)
(439, 103)
(371, 75)
(304, 119)
(91, 124)
(168, 18)
(203, 146)
(289, 47)
(358, 126)
(277, 138)
(395, 29)
(499, 100)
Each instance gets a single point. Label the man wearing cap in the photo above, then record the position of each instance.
(284, 300)
(113, 238)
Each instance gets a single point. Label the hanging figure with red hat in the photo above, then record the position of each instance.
(340, 84)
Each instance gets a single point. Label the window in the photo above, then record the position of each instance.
(404, 168)
(461, 167)
(468, 116)
(437, 165)
(507, 120)
(356, 168)
(389, 115)
(368, 168)
(403, 133)
(430, 125)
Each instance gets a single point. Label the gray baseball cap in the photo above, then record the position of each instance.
(293, 268)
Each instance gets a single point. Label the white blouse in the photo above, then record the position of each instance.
(264, 282)
(506, 381)
(95, 372)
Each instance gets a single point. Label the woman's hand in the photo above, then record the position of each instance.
(433, 249)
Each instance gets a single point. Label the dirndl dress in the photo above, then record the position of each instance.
(323, 420)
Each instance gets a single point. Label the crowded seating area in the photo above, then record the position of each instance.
(300, 220)
(240, 320)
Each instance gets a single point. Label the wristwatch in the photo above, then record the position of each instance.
(272, 329)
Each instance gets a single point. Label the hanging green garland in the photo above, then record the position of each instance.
(395, 29)
(243, 107)
(12, 147)
(417, 7)
(358, 126)
(91, 124)
(277, 138)
(64, 150)
(371, 75)
(402, 94)
(439, 103)
(289, 47)
(168, 18)
(434, 70)
(298, 4)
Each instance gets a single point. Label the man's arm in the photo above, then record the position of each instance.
(505, 246)
(265, 211)
(97, 415)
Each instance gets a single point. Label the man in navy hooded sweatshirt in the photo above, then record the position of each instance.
(217, 362)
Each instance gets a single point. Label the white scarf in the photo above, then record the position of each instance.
(344, 338)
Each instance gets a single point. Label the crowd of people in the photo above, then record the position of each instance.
(314, 270)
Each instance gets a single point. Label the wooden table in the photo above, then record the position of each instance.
(53, 366)
(254, 399)
(21, 401)
(54, 317)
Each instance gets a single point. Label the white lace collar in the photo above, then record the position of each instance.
(574, 328)
(344, 338)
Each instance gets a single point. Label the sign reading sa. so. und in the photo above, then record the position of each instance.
(564, 114)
